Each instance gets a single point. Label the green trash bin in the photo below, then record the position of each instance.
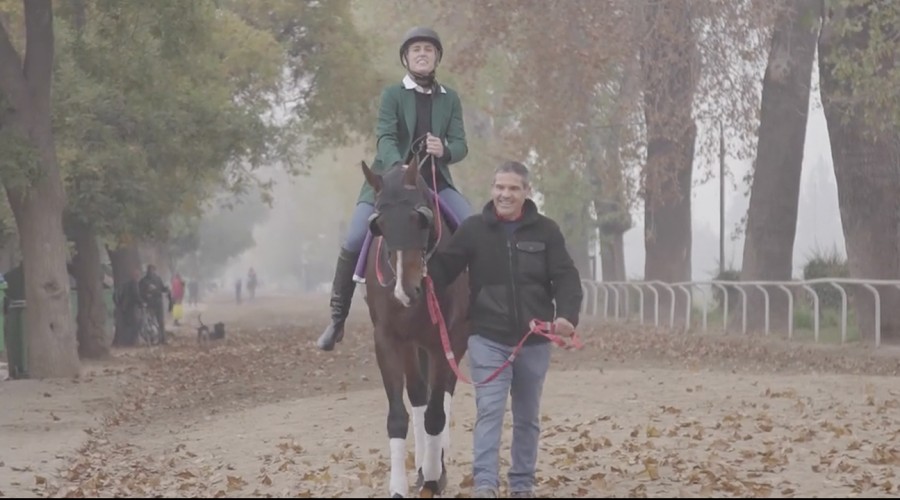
(17, 349)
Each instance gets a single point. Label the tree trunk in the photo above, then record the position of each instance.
(38, 207)
(612, 257)
(612, 265)
(775, 193)
(577, 246)
(865, 168)
(126, 262)
(671, 134)
(9, 255)
(157, 253)
(92, 339)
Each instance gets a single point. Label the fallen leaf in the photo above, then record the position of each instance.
(235, 483)
(651, 467)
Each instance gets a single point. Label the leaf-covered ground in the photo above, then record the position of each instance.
(636, 413)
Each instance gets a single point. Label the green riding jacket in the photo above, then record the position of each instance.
(396, 125)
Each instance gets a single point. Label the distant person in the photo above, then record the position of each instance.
(152, 290)
(251, 283)
(177, 287)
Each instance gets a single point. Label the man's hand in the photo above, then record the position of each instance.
(434, 146)
(563, 327)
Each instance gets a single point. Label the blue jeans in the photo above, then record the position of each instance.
(524, 381)
(359, 221)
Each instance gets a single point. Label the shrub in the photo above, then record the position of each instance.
(822, 264)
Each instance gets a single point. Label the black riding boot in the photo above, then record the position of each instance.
(341, 294)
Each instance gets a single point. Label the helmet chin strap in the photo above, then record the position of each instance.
(423, 80)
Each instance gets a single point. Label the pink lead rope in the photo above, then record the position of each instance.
(542, 328)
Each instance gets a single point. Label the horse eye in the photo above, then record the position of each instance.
(421, 219)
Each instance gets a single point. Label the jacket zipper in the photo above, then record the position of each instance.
(515, 293)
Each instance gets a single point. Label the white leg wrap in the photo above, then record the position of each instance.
(431, 466)
(399, 483)
(418, 418)
(445, 435)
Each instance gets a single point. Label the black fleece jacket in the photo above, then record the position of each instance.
(518, 271)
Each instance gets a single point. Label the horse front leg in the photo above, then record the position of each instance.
(417, 391)
(391, 366)
(448, 399)
(436, 424)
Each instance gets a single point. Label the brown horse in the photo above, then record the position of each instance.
(408, 227)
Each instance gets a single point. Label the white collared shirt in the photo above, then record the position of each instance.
(411, 84)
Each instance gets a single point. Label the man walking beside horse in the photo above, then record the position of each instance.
(518, 267)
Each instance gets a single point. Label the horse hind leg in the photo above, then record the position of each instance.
(398, 418)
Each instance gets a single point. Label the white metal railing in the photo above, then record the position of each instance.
(612, 289)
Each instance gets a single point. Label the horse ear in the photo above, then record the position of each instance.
(372, 178)
(412, 171)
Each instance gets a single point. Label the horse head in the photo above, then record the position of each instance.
(404, 219)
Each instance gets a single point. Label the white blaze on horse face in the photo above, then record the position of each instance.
(399, 482)
(399, 293)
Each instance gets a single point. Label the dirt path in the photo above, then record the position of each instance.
(636, 413)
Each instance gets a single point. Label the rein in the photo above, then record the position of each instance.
(538, 327)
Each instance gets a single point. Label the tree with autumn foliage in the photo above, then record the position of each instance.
(181, 117)
(605, 98)
(857, 50)
(159, 107)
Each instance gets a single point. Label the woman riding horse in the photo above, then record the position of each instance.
(416, 111)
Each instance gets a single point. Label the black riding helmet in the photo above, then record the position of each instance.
(419, 34)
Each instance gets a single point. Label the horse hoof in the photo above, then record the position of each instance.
(397, 495)
(426, 492)
(442, 482)
(420, 480)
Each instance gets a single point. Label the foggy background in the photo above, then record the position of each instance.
(297, 243)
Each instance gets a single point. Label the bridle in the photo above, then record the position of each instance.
(434, 225)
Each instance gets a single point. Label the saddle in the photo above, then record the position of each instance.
(359, 274)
